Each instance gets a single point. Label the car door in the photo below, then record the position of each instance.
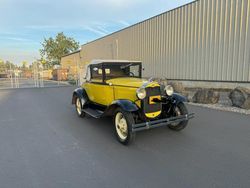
(98, 91)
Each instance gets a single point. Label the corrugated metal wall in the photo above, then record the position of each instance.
(204, 40)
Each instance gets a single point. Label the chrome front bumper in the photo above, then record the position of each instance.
(160, 122)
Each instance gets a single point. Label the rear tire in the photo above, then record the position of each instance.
(123, 122)
(78, 106)
(179, 110)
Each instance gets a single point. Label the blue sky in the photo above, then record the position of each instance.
(24, 23)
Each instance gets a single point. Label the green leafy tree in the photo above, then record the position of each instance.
(54, 48)
(10, 65)
(6, 66)
(24, 65)
(2, 66)
(45, 64)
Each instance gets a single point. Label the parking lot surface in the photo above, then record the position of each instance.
(44, 144)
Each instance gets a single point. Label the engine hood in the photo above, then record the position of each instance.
(130, 82)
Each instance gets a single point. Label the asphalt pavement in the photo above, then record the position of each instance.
(43, 144)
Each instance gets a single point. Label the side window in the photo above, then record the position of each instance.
(96, 72)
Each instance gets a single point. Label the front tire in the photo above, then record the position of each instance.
(123, 122)
(179, 110)
(78, 106)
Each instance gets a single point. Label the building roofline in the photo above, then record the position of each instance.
(78, 51)
(100, 61)
(195, 1)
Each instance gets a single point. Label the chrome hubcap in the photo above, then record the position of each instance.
(78, 106)
(121, 126)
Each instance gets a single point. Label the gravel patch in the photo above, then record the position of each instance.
(223, 107)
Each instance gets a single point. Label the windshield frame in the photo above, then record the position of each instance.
(89, 74)
(125, 64)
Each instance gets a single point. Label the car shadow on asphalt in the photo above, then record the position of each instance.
(102, 130)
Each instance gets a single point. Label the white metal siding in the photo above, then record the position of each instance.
(203, 40)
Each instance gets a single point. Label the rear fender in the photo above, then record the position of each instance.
(79, 93)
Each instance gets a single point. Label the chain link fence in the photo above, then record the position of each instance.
(36, 77)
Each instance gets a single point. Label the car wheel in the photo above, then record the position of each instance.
(179, 110)
(123, 122)
(79, 111)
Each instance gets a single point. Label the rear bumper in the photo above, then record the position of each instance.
(160, 122)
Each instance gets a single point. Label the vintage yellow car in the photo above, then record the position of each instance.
(116, 88)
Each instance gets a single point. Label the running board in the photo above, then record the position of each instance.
(92, 112)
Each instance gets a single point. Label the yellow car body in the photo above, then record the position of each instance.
(116, 88)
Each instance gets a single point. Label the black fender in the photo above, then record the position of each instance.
(79, 93)
(172, 102)
(126, 105)
(177, 98)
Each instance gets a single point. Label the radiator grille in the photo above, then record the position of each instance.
(150, 108)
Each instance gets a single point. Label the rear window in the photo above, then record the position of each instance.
(96, 72)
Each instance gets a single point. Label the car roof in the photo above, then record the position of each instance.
(111, 61)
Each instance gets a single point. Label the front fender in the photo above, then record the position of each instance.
(125, 105)
(171, 102)
(79, 93)
(179, 98)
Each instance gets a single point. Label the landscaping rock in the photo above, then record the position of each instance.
(162, 81)
(190, 95)
(178, 86)
(240, 97)
(246, 104)
(206, 96)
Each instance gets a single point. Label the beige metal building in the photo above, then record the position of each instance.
(206, 40)
(72, 62)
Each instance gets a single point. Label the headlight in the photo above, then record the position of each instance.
(169, 90)
(141, 93)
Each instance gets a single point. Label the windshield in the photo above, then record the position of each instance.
(122, 70)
